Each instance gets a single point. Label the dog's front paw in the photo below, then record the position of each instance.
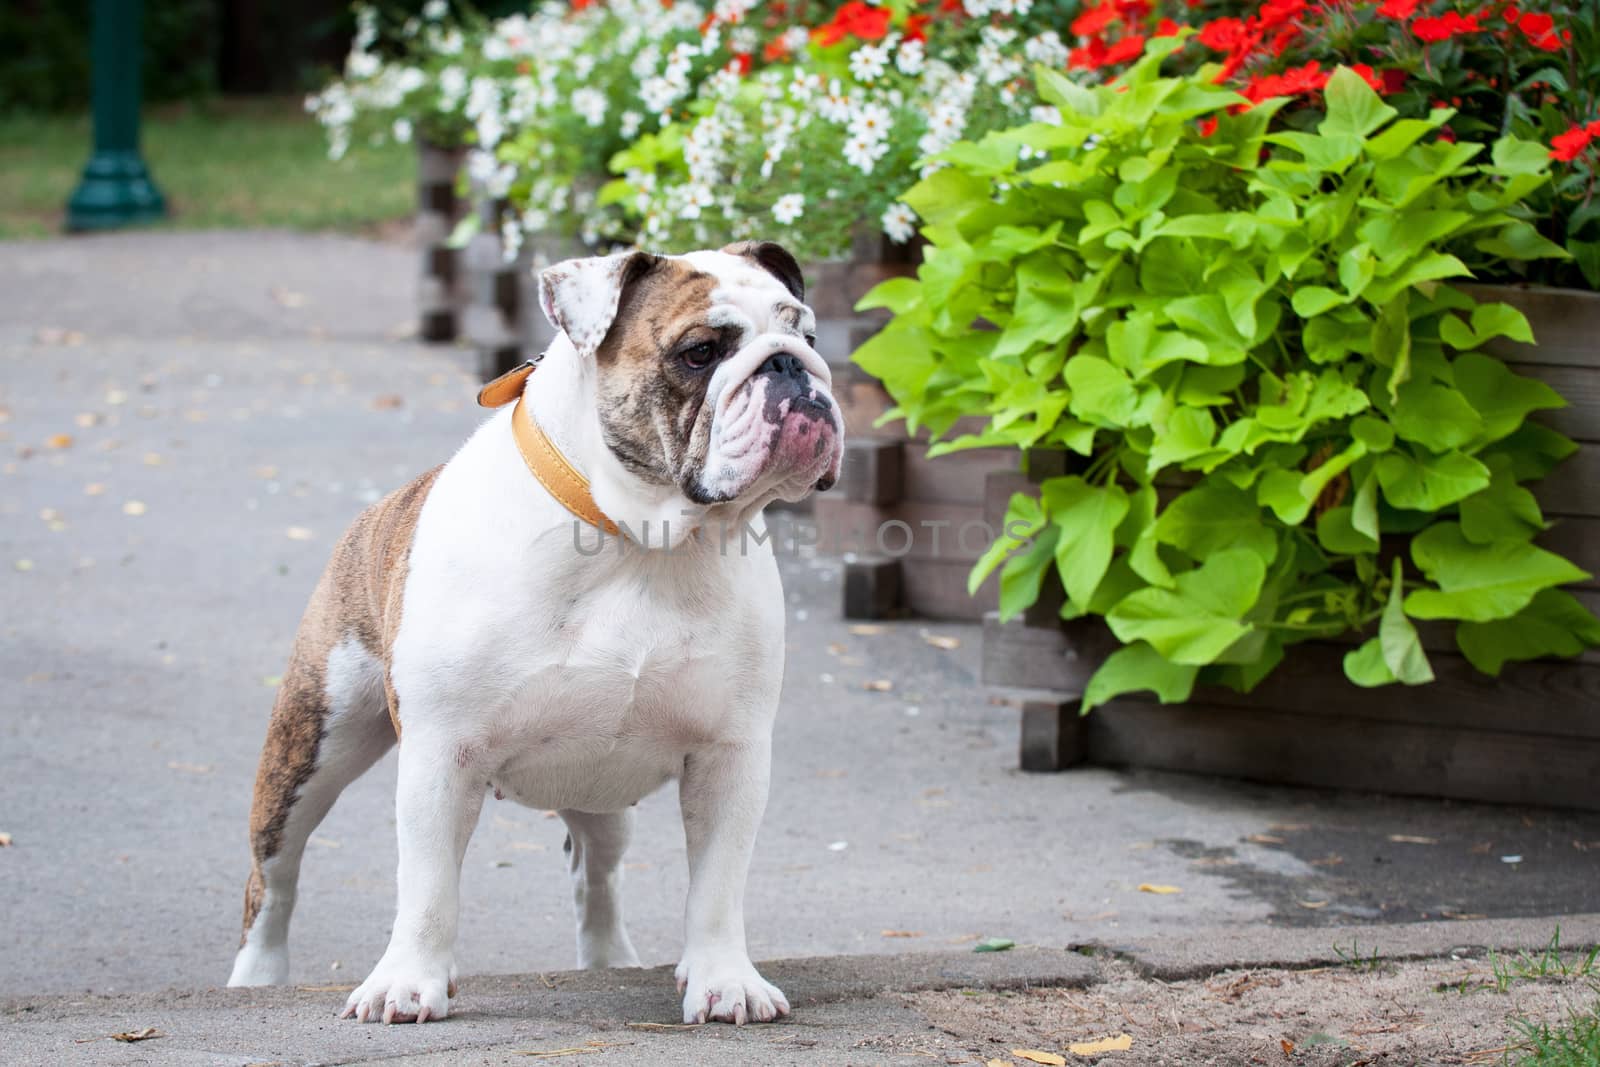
(727, 988)
(403, 990)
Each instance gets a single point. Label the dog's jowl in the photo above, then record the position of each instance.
(568, 613)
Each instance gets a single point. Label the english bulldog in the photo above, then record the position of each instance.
(569, 613)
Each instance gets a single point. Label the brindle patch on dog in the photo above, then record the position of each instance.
(359, 596)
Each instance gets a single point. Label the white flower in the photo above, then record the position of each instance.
(490, 128)
(629, 126)
(590, 104)
(910, 58)
(1046, 114)
(868, 63)
(864, 154)
(449, 44)
(361, 65)
(899, 223)
(402, 131)
(510, 239)
(1046, 48)
(789, 207)
(434, 10)
(796, 37)
(744, 39)
(452, 87)
(870, 122)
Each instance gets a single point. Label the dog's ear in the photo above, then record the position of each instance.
(580, 297)
(776, 261)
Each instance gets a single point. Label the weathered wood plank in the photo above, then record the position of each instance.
(956, 478)
(1580, 387)
(1347, 752)
(1579, 541)
(1573, 488)
(873, 589)
(873, 470)
(1060, 658)
(937, 589)
(913, 530)
(1566, 323)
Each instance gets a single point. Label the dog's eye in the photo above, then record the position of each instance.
(700, 356)
(811, 339)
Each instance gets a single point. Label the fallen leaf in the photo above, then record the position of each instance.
(86, 419)
(153, 459)
(5, 840)
(1114, 1043)
(662, 1026)
(134, 507)
(836, 648)
(1313, 905)
(131, 1036)
(1163, 890)
(288, 297)
(190, 768)
(994, 944)
(902, 933)
(998, 1063)
(1412, 839)
(866, 629)
(949, 644)
(94, 488)
(1287, 1046)
(388, 402)
(116, 396)
(878, 685)
(24, 564)
(298, 533)
(1264, 839)
(266, 471)
(838, 846)
(1033, 1055)
(58, 440)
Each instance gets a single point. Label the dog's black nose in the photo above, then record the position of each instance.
(784, 365)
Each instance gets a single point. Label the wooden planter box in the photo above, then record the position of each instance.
(1530, 736)
(440, 292)
(897, 517)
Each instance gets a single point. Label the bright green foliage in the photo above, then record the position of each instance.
(1257, 324)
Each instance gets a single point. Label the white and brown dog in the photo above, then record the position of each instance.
(473, 615)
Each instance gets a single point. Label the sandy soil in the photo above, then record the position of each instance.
(1407, 1013)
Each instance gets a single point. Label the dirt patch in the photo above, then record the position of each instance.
(1435, 1012)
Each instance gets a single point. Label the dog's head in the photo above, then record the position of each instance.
(706, 378)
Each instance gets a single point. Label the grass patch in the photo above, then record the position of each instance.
(1357, 960)
(1572, 1043)
(226, 164)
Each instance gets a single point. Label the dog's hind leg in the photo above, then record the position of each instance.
(595, 844)
(329, 724)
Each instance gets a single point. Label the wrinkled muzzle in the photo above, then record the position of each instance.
(775, 427)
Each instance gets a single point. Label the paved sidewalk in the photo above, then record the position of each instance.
(1245, 995)
(187, 422)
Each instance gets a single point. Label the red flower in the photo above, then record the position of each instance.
(1399, 10)
(855, 19)
(1094, 19)
(1128, 48)
(1570, 145)
(741, 63)
(1275, 13)
(776, 49)
(1167, 28)
(1510, 14)
(1444, 27)
(1223, 34)
(1447, 135)
(1548, 43)
(1208, 126)
(1090, 56)
(1536, 24)
(1394, 80)
(915, 27)
(1293, 82)
(1282, 40)
(1368, 76)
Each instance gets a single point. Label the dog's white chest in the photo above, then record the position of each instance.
(619, 699)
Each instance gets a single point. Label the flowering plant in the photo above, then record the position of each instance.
(827, 138)
(1524, 67)
(1256, 323)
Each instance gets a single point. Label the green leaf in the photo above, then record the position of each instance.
(1553, 624)
(1374, 434)
(1087, 518)
(1024, 518)
(1197, 620)
(1365, 665)
(994, 944)
(1336, 532)
(1310, 301)
(1212, 518)
(1100, 392)
(1364, 509)
(1188, 433)
(1425, 482)
(1023, 575)
(1354, 108)
(1139, 668)
(1481, 583)
(1503, 510)
(1435, 416)
(1502, 397)
(1402, 649)
(899, 295)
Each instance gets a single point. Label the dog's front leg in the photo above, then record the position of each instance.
(436, 807)
(723, 793)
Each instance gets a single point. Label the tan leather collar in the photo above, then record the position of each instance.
(554, 471)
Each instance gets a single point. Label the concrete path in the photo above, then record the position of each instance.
(187, 422)
(847, 1010)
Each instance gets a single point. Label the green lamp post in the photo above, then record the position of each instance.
(116, 189)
